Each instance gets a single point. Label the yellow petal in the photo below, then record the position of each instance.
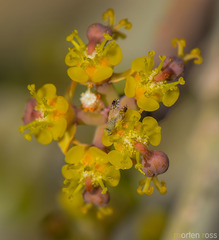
(58, 129)
(75, 155)
(72, 59)
(132, 116)
(44, 136)
(47, 91)
(138, 64)
(78, 74)
(170, 97)
(130, 86)
(102, 73)
(99, 155)
(114, 55)
(148, 104)
(65, 142)
(149, 123)
(61, 104)
(69, 172)
(111, 176)
(106, 140)
(117, 159)
(155, 139)
(151, 128)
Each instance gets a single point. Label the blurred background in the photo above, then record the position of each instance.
(33, 48)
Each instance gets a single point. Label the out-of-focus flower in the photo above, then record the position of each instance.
(148, 92)
(95, 197)
(47, 115)
(72, 208)
(97, 67)
(88, 167)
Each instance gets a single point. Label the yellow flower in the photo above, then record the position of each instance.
(47, 115)
(145, 89)
(126, 132)
(98, 66)
(88, 163)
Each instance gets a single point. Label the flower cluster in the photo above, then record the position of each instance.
(123, 134)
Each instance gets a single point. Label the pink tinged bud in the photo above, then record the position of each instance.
(95, 32)
(95, 35)
(96, 197)
(177, 66)
(173, 68)
(30, 113)
(155, 163)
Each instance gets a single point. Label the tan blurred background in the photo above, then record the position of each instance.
(33, 48)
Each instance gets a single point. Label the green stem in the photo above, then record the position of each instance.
(97, 140)
(109, 93)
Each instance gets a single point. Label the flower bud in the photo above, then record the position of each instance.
(154, 163)
(96, 31)
(173, 67)
(95, 35)
(95, 197)
(30, 113)
(176, 64)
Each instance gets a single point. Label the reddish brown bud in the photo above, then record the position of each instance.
(96, 197)
(96, 31)
(95, 35)
(30, 113)
(173, 68)
(154, 163)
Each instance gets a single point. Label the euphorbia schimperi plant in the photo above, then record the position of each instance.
(122, 139)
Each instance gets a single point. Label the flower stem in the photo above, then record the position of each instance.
(117, 77)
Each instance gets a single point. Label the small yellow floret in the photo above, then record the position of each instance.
(84, 162)
(52, 120)
(148, 92)
(95, 68)
(126, 133)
